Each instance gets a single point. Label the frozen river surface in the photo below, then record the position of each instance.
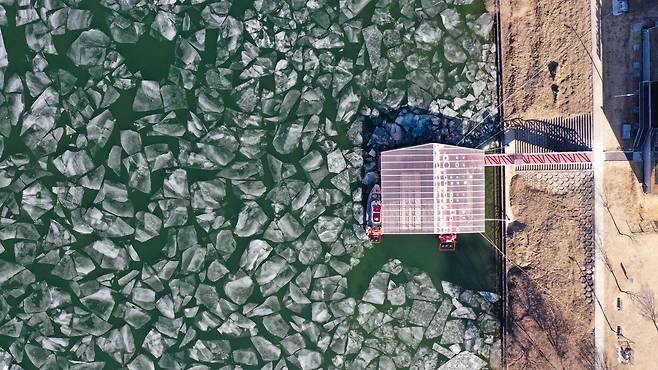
(181, 185)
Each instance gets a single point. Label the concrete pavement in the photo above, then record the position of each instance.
(599, 122)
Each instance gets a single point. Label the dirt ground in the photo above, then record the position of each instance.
(629, 229)
(547, 73)
(546, 68)
(549, 322)
(631, 267)
(631, 210)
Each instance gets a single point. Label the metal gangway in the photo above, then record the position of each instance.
(537, 158)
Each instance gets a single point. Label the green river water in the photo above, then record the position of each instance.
(167, 195)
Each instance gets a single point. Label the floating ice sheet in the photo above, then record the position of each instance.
(199, 169)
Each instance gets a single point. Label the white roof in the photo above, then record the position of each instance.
(432, 189)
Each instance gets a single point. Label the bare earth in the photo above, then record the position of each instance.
(536, 33)
(629, 217)
(630, 241)
(549, 318)
(550, 323)
(547, 73)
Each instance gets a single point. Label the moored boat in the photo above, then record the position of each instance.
(447, 242)
(374, 215)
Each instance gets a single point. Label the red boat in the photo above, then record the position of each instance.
(447, 242)
(374, 215)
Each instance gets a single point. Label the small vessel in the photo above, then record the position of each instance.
(447, 242)
(374, 215)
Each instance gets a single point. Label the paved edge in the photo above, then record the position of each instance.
(598, 120)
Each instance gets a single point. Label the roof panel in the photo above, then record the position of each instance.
(432, 189)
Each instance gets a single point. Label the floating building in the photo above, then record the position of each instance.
(433, 189)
